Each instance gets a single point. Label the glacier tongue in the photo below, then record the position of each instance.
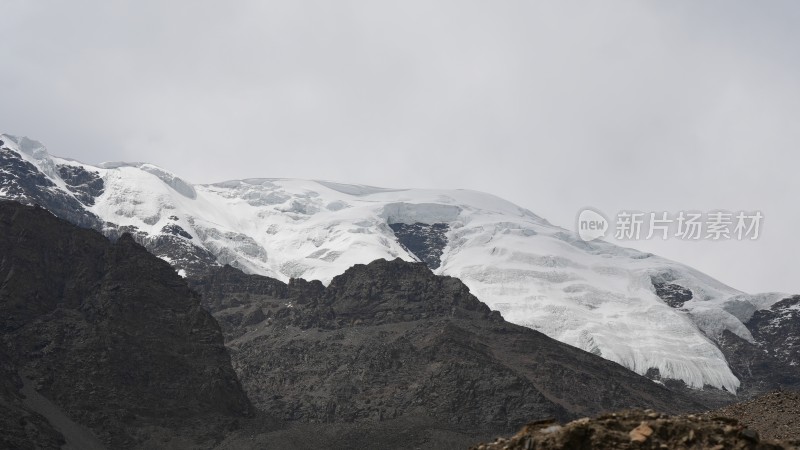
(595, 296)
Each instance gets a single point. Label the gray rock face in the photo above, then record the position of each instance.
(772, 361)
(759, 371)
(110, 334)
(84, 184)
(674, 295)
(23, 182)
(176, 230)
(426, 242)
(389, 341)
(176, 246)
(777, 330)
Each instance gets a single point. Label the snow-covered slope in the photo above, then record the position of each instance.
(593, 295)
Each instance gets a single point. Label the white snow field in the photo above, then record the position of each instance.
(592, 295)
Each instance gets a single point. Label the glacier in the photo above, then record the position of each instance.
(594, 295)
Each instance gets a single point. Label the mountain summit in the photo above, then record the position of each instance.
(615, 302)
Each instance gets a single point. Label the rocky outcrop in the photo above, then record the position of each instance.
(174, 245)
(23, 182)
(759, 370)
(109, 334)
(777, 330)
(672, 294)
(425, 241)
(772, 360)
(85, 185)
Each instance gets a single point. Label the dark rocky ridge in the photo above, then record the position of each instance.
(390, 341)
(111, 335)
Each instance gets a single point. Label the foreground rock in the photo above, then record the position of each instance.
(638, 430)
(104, 345)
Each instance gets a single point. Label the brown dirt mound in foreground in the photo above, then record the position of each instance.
(775, 415)
(638, 430)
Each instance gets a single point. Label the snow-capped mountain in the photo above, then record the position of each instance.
(652, 315)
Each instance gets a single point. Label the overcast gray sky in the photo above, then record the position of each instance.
(557, 105)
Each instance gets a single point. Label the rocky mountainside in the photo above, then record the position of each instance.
(772, 359)
(775, 415)
(391, 341)
(104, 345)
(776, 330)
(654, 316)
(22, 180)
(20, 426)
